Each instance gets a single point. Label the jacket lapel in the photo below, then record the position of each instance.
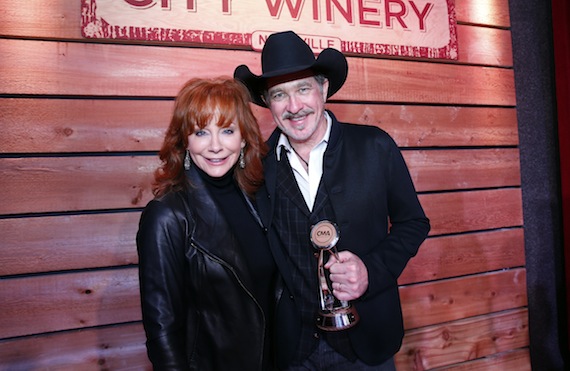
(287, 184)
(212, 233)
(266, 205)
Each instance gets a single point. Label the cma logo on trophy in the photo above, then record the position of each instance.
(334, 314)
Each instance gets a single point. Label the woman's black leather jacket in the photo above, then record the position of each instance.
(198, 309)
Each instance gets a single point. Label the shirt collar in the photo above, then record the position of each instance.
(284, 142)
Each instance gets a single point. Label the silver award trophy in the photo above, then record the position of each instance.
(334, 314)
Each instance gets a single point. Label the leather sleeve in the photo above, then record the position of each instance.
(161, 241)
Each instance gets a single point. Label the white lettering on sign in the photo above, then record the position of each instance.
(416, 28)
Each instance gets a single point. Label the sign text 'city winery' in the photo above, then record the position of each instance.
(407, 28)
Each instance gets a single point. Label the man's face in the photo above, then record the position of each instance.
(298, 108)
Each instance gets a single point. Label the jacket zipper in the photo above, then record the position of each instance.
(240, 282)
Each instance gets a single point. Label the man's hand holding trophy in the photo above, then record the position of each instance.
(334, 314)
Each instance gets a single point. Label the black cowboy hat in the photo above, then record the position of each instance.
(286, 53)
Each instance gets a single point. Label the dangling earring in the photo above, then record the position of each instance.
(241, 159)
(187, 160)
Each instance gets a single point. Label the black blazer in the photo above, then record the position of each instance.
(380, 220)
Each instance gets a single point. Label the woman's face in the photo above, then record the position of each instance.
(215, 150)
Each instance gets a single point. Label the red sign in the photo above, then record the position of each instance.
(409, 28)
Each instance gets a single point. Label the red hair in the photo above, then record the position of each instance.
(197, 102)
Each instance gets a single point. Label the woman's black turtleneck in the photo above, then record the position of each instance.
(252, 240)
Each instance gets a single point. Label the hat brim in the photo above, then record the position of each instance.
(330, 62)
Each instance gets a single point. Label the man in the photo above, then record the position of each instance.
(352, 175)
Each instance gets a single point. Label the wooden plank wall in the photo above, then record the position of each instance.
(81, 121)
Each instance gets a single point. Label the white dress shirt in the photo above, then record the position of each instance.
(308, 180)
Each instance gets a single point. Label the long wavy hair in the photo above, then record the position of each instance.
(196, 104)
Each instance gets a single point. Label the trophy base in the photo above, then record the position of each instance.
(337, 320)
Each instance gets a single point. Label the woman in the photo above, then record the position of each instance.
(206, 273)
